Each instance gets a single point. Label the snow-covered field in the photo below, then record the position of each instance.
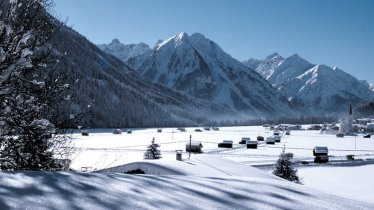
(102, 149)
(354, 182)
(218, 179)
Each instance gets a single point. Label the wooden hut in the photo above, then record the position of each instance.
(226, 144)
(194, 146)
(321, 154)
(85, 133)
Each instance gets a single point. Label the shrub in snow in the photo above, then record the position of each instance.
(152, 151)
(284, 167)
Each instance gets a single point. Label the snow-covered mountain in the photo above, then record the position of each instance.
(266, 66)
(120, 97)
(371, 86)
(198, 66)
(122, 51)
(317, 88)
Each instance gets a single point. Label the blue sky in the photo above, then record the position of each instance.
(332, 32)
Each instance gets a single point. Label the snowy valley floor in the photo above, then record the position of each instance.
(218, 179)
(102, 149)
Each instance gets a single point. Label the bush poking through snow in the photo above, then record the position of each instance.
(284, 167)
(152, 151)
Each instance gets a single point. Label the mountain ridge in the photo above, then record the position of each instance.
(318, 88)
(197, 66)
(120, 97)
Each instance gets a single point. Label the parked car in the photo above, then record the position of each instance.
(367, 136)
(226, 144)
(117, 131)
(85, 133)
(260, 138)
(288, 132)
(207, 128)
(251, 144)
(159, 130)
(215, 128)
(198, 130)
(129, 131)
(244, 140)
(270, 140)
(276, 133)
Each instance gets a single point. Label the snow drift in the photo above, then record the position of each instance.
(255, 190)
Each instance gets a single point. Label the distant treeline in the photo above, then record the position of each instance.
(281, 120)
(366, 111)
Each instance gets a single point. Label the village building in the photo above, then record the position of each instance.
(346, 124)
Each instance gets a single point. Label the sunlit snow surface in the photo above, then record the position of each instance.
(218, 179)
(102, 149)
(42, 190)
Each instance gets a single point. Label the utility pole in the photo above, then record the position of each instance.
(189, 155)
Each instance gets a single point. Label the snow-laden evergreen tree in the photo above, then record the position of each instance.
(29, 88)
(284, 167)
(152, 151)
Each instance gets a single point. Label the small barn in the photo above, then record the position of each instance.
(370, 127)
(251, 144)
(315, 127)
(277, 138)
(244, 140)
(270, 140)
(321, 154)
(85, 133)
(194, 146)
(117, 131)
(260, 138)
(226, 144)
(294, 127)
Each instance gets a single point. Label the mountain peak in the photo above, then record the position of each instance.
(181, 36)
(296, 56)
(297, 59)
(115, 41)
(272, 56)
(198, 36)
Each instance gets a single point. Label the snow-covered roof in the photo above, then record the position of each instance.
(193, 143)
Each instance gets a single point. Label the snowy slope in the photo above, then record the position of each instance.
(291, 67)
(198, 165)
(46, 190)
(340, 179)
(323, 88)
(119, 95)
(371, 85)
(198, 66)
(315, 88)
(122, 51)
